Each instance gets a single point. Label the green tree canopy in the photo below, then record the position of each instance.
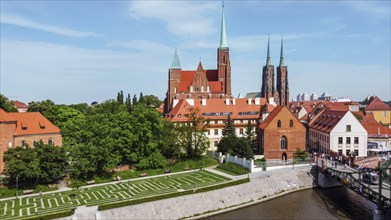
(52, 162)
(229, 129)
(6, 104)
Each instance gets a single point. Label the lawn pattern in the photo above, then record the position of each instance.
(116, 192)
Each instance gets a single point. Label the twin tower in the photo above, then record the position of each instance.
(216, 83)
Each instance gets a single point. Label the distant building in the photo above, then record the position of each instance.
(337, 133)
(20, 106)
(325, 96)
(280, 134)
(380, 110)
(314, 97)
(22, 129)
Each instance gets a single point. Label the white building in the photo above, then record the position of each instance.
(338, 133)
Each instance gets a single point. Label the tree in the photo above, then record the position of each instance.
(227, 144)
(251, 135)
(120, 97)
(301, 154)
(52, 162)
(128, 103)
(170, 148)
(141, 98)
(6, 104)
(191, 136)
(151, 101)
(242, 148)
(134, 100)
(41, 107)
(229, 129)
(22, 162)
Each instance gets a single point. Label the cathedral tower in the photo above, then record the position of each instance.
(282, 79)
(267, 90)
(223, 62)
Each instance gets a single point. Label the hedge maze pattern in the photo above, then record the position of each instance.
(36, 206)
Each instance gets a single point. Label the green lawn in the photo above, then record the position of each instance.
(115, 192)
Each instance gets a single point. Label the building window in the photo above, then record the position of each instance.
(347, 152)
(284, 143)
(279, 124)
(291, 123)
(216, 143)
(216, 132)
(208, 132)
(241, 131)
(384, 114)
(348, 128)
(50, 141)
(35, 143)
(356, 140)
(340, 140)
(23, 143)
(348, 140)
(340, 152)
(356, 153)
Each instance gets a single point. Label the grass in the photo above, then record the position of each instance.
(11, 192)
(111, 193)
(232, 169)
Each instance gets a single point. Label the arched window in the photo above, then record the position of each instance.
(35, 143)
(284, 143)
(291, 123)
(50, 141)
(174, 89)
(197, 89)
(202, 88)
(279, 123)
(191, 88)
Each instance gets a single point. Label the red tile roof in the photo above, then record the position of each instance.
(271, 116)
(4, 116)
(187, 77)
(19, 104)
(28, 123)
(374, 128)
(326, 120)
(376, 104)
(217, 109)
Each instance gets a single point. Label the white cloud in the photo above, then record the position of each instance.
(183, 18)
(23, 22)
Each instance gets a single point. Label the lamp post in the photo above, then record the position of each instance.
(40, 211)
(17, 179)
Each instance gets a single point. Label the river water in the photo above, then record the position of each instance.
(333, 203)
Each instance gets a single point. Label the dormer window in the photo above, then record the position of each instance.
(24, 126)
(42, 125)
(179, 115)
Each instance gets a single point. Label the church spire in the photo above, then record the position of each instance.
(282, 63)
(175, 61)
(223, 37)
(268, 62)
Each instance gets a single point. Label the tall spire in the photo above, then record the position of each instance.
(282, 63)
(223, 37)
(175, 61)
(268, 62)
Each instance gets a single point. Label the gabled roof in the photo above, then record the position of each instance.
(19, 104)
(271, 116)
(29, 123)
(4, 116)
(187, 77)
(327, 120)
(376, 104)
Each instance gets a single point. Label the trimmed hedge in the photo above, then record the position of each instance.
(171, 195)
(232, 168)
(51, 215)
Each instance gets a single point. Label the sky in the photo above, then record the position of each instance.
(84, 51)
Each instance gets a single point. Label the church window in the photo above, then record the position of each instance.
(202, 88)
(197, 89)
(208, 89)
(279, 123)
(191, 88)
(50, 141)
(291, 123)
(284, 143)
(174, 89)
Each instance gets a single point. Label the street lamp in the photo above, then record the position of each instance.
(17, 179)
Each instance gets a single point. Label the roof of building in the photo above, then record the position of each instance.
(19, 104)
(374, 128)
(218, 109)
(28, 123)
(4, 116)
(376, 104)
(326, 120)
(187, 77)
(253, 95)
(271, 116)
(175, 61)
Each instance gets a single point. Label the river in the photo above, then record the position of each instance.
(333, 203)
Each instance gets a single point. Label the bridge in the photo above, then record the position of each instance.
(376, 191)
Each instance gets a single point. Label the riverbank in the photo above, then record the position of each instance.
(263, 186)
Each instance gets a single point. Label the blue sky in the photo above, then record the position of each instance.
(84, 51)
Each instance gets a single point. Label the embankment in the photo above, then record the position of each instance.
(262, 187)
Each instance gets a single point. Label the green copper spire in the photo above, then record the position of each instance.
(268, 62)
(223, 37)
(175, 61)
(282, 53)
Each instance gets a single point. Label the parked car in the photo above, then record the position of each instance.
(371, 178)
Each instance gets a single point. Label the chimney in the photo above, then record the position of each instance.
(226, 101)
(203, 102)
(257, 101)
(249, 101)
(233, 102)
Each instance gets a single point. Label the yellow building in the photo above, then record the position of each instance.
(380, 110)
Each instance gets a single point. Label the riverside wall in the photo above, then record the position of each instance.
(263, 186)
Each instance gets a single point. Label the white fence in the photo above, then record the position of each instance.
(249, 164)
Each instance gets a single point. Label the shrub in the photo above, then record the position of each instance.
(232, 168)
(155, 160)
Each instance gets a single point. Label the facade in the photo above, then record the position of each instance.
(22, 129)
(380, 110)
(20, 106)
(337, 133)
(200, 83)
(268, 91)
(241, 111)
(280, 134)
